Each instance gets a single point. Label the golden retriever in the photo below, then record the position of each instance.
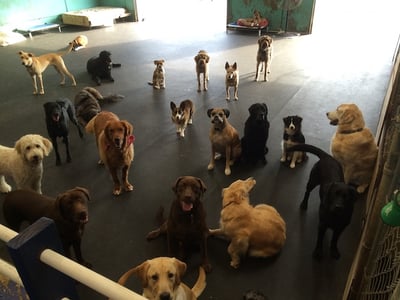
(36, 65)
(161, 279)
(257, 231)
(114, 140)
(353, 145)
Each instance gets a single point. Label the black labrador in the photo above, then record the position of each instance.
(58, 114)
(99, 67)
(256, 132)
(337, 198)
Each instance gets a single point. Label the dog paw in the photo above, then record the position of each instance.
(234, 264)
(210, 167)
(5, 188)
(128, 187)
(227, 171)
(117, 191)
(303, 205)
(292, 165)
(335, 253)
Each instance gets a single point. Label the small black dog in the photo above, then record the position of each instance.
(100, 67)
(256, 131)
(57, 115)
(292, 135)
(337, 198)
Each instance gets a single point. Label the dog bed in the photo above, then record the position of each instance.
(95, 16)
(235, 26)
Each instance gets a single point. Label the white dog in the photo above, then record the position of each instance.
(24, 162)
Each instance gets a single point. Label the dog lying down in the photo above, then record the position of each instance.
(257, 231)
(161, 279)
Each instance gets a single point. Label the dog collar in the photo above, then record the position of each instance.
(130, 140)
(351, 131)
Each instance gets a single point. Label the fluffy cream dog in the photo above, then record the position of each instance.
(257, 231)
(24, 162)
(353, 145)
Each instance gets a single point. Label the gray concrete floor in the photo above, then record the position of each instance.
(310, 76)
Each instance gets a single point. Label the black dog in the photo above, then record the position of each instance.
(254, 295)
(87, 103)
(69, 212)
(292, 135)
(57, 115)
(100, 67)
(256, 131)
(337, 198)
(186, 225)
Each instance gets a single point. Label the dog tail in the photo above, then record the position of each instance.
(89, 128)
(309, 148)
(150, 83)
(113, 98)
(69, 49)
(200, 284)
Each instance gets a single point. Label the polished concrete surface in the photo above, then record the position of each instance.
(310, 76)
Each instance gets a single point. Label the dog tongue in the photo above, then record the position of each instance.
(186, 206)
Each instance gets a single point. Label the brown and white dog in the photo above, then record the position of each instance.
(353, 145)
(36, 65)
(202, 59)
(186, 224)
(114, 139)
(81, 41)
(158, 75)
(182, 115)
(161, 278)
(231, 80)
(264, 56)
(224, 139)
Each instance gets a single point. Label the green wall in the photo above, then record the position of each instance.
(13, 12)
(299, 20)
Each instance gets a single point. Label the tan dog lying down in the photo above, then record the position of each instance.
(353, 145)
(36, 65)
(161, 279)
(257, 231)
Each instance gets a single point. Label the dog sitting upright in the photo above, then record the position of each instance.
(182, 115)
(202, 59)
(224, 139)
(336, 197)
(256, 132)
(264, 56)
(36, 65)
(58, 114)
(158, 75)
(186, 224)
(99, 67)
(292, 136)
(231, 80)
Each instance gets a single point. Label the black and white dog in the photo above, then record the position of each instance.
(100, 67)
(337, 198)
(256, 132)
(292, 135)
(57, 115)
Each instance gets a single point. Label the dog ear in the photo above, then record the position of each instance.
(140, 271)
(128, 127)
(196, 58)
(181, 269)
(175, 187)
(84, 191)
(202, 185)
(234, 66)
(209, 111)
(48, 146)
(207, 58)
(226, 65)
(172, 105)
(227, 112)
(265, 107)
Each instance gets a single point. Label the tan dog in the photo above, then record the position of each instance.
(257, 231)
(231, 80)
(36, 65)
(202, 59)
(264, 56)
(161, 279)
(182, 115)
(224, 139)
(158, 75)
(353, 145)
(114, 140)
(81, 41)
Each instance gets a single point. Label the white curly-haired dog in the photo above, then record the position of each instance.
(24, 162)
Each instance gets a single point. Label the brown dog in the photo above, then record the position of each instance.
(186, 224)
(224, 139)
(264, 56)
(36, 65)
(114, 140)
(182, 115)
(161, 279)
(81, 41)
(158, 75)
(353, 145)
(202, 59)
(231, 80)
(257, 231)
(69, 212)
